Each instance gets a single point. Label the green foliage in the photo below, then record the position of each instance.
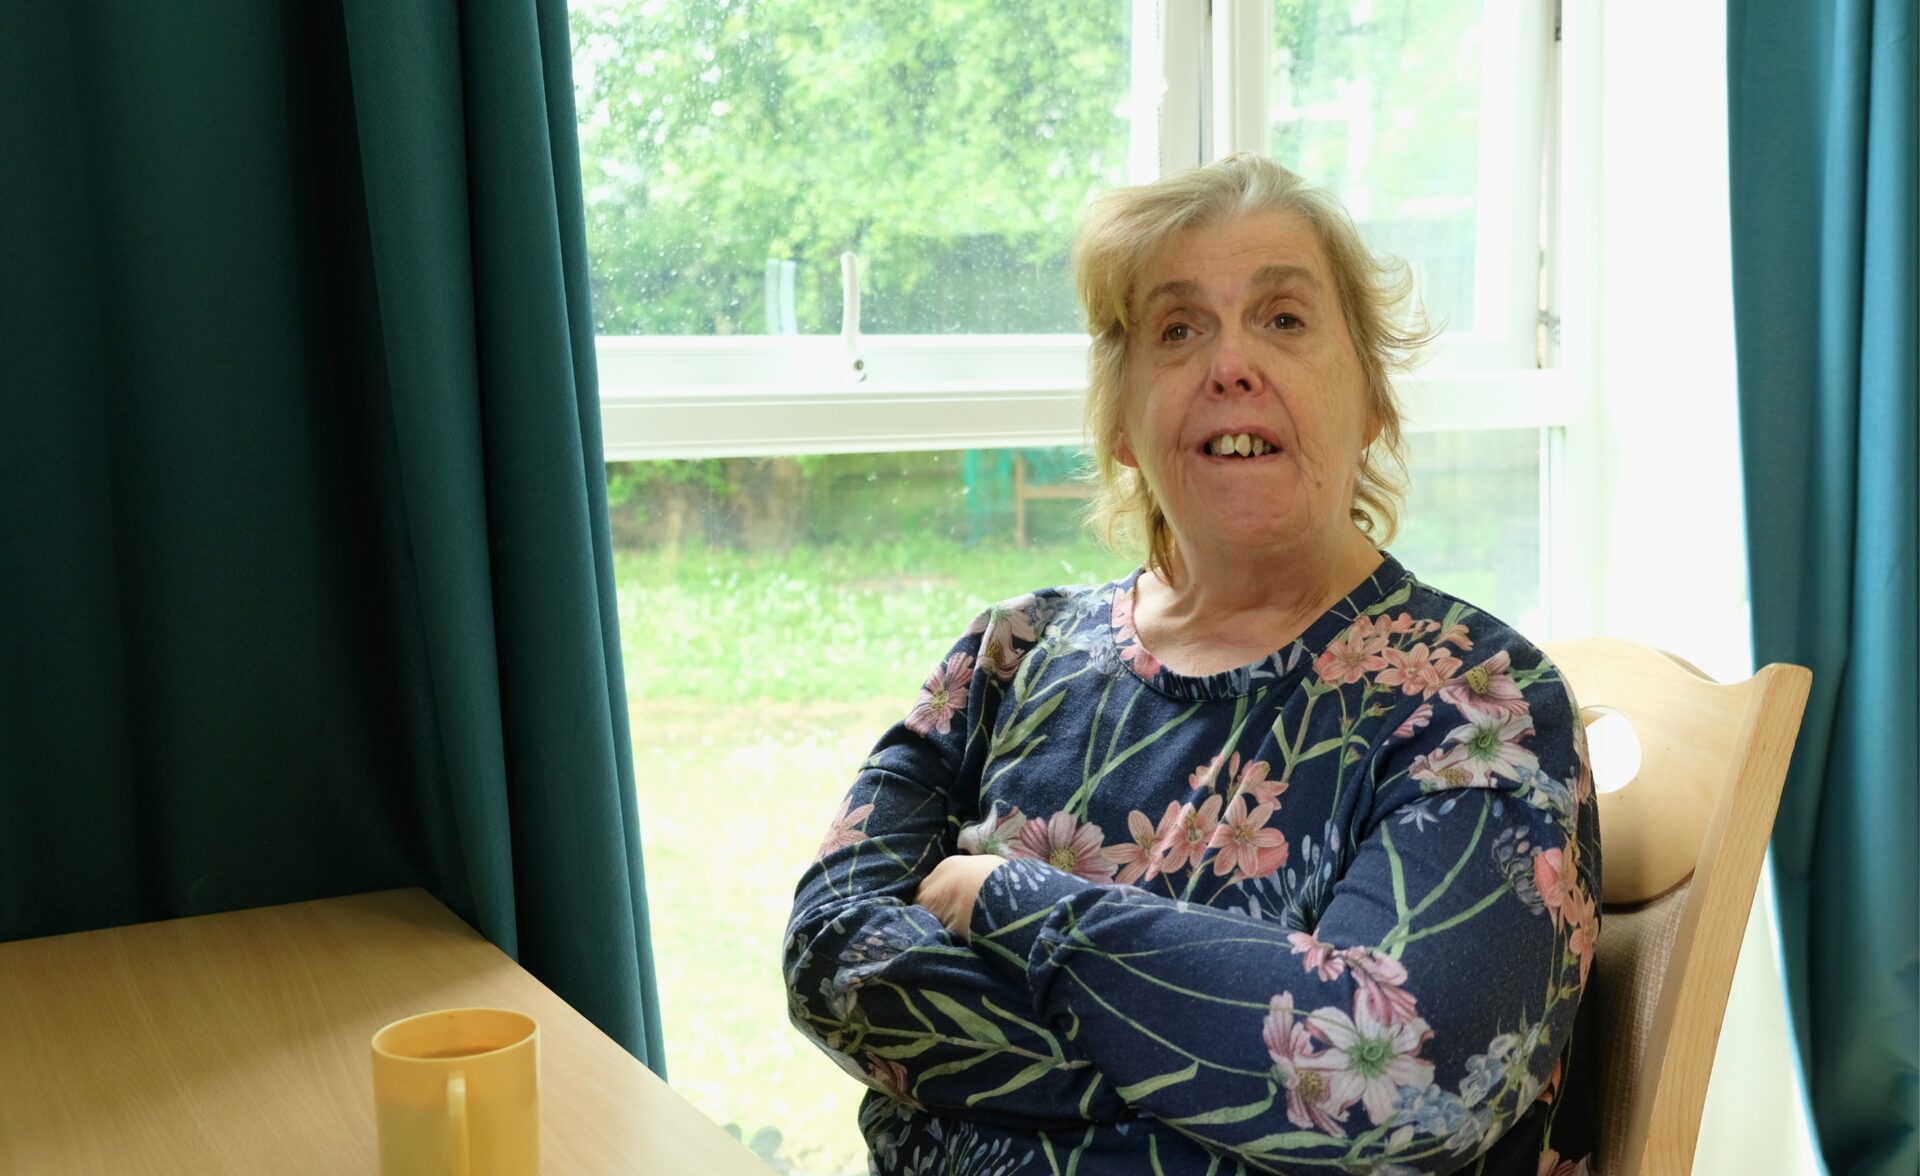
(850, 498)
(628, 479)
(950, 144)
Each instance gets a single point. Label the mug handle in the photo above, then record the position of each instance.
(457, 1122)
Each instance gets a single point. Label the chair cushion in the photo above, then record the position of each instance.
(1630, 961)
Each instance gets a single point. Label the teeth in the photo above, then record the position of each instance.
(1241, 444)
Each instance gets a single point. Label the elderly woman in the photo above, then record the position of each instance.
(1268, 856)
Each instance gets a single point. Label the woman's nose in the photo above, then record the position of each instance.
(1232, 369)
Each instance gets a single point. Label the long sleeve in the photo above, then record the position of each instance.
(876, 981)
(1416, 1021)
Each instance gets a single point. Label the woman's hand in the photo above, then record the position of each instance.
(949, 890)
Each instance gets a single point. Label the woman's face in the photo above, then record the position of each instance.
(1238, 331)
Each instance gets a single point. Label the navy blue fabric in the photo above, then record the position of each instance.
(1330, 911)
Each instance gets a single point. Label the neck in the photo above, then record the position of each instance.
(1304, 576)
(1222, 604)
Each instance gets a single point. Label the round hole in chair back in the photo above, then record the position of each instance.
(1613, 748)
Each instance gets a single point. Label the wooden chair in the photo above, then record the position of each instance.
(1682, 844)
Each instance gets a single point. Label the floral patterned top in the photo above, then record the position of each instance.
(1330, 912)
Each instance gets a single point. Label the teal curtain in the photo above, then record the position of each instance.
(305, 582)
(1822, 109)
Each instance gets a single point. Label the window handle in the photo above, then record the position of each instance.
(850, 315)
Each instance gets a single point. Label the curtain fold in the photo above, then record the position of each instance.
(1822, 150)
(306, 585)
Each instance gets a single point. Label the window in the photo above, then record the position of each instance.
(819, 467)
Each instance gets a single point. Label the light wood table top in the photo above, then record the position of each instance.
(239, 1043)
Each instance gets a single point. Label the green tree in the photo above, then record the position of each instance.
(949, 143)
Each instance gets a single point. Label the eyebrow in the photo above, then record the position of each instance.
(1280, 275)
(1266, 275)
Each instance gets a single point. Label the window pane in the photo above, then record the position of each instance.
(1471, 524)
(733, 152)
(1379, 100)
(777, 615)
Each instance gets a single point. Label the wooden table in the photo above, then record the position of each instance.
(239, 1043)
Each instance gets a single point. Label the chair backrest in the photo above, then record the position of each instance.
(1682, 844)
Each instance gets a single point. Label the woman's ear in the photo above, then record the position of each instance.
(1123, 453)
(1374, 425)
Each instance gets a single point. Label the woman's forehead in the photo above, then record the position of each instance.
(1270, 248)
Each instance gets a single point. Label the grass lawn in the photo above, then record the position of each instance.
(756, 682)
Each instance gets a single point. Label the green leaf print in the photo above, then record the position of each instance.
(1025, 1077)
(974, 1024)
(1146, 1086)
(1019, 732)
(1239, 1114)
(1394, 599)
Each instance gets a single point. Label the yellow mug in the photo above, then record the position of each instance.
(457, 1093)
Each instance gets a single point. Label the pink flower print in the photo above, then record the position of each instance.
(1421, 670)
(1188, 838)
(1583, 780)
(1421, 716)
(1206, 774)
(1375, 1059)
(1551, 1090)
(1253, 779)
(943, 696)
(1141, 856)
(1487, 691)
(1394, 626)
(1005, 625)
(1556, 884)
(999, 656)
(1015, 616)
(890, 1078)
(1552, 1165)
(1127, 638)
(1487, 748)
(1441, 769)
(995, 834)
(1355, 653)
(1302, 1071)
(1323, 959)
(1378, 986)
(1586, 929)
(841, 832)
(1456, 635)
(1242, 842)
(1066, 844)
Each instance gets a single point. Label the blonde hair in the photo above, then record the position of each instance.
(1122, 232)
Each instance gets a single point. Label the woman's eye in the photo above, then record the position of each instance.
(1287, 322)
(1176, 333)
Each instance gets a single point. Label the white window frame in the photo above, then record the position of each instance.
(737, 396)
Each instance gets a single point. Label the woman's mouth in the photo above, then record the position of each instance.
(1239, 446)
